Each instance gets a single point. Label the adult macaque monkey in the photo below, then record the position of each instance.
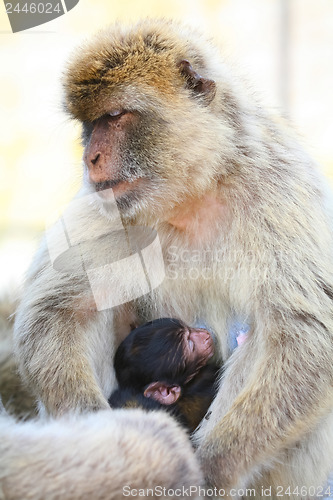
(241, 215)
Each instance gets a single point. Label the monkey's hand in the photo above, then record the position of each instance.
(219, 457)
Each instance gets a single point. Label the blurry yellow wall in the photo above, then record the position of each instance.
(40, 151)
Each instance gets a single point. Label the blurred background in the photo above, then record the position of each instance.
(283, 47)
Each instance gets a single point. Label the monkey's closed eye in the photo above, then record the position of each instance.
(191, 344)
(116, 113)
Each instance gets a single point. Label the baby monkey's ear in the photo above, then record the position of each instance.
(162, 392)
(200, 85)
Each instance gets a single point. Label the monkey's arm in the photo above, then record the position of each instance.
(283, 391)
(55, 339)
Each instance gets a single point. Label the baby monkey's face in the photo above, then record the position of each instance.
(198, 346)
(188, 351)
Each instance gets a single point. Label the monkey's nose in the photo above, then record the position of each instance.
(96, 163)
(95, 159)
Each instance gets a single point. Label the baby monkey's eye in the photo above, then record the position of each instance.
(190, 343)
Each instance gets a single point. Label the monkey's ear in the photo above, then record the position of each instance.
(163, 393)
(197, 83)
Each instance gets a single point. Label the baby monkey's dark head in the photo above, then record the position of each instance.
(160, 357)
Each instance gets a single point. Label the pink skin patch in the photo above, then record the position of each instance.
(241, 338)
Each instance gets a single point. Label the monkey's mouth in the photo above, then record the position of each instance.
(119, 187)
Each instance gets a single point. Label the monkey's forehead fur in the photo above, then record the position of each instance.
(125, 67)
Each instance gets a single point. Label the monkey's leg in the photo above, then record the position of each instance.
(101, 456)
(287, 393)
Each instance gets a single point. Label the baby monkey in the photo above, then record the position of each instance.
(163, 365)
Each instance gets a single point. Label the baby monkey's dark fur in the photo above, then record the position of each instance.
(155, 352)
